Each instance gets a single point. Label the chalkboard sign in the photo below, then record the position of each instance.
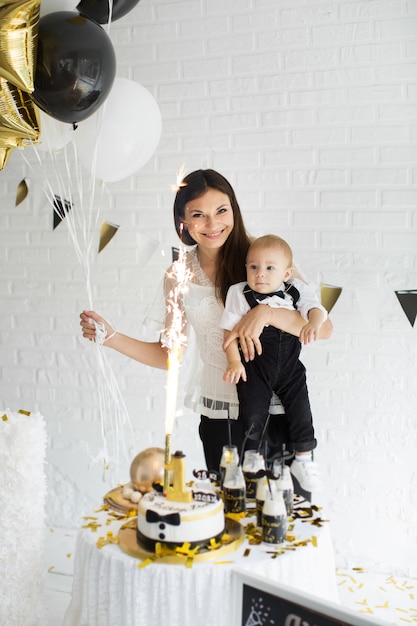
(258, 602)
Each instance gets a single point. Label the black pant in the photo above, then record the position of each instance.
(277, 369)
(214, 434)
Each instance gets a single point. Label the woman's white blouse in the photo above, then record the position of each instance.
(206, 391)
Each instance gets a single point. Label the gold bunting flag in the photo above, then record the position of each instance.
(329, 295)
(22, 191)
(107, 233)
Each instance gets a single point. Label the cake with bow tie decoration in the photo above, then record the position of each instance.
(181, 514)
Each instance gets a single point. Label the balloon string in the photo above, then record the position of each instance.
(80, 209)
(110, 16)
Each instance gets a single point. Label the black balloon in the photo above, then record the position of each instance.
(98, 10)
(75, 68)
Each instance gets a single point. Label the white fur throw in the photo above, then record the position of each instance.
(22, 517)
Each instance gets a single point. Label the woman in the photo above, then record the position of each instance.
(207, 216)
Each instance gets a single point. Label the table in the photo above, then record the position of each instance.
(111, 589)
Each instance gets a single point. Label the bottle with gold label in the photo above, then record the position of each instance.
(261, 489)
(253, 464)
(286, 486)
(234, 489)
(229, 456)
(274, 518)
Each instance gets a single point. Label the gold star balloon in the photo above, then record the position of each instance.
(6, 147)
(19, 23)
(19, 116)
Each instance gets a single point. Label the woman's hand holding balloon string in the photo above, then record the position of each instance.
(95, 327)
(150, 353)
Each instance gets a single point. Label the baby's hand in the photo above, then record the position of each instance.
(309, 332)
(234, 371)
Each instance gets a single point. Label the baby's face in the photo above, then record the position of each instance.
(266, 269)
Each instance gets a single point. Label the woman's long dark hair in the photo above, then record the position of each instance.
(231, 259)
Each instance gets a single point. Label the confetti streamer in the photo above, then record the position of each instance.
(76, 198)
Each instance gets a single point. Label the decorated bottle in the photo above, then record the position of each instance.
(261, 489)
(274, 518)
(253, 463)
(234, 490)
(286, 486)
(229, 456)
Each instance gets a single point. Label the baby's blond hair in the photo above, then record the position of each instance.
(273, 241)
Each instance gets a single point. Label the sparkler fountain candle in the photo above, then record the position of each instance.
(174, 340)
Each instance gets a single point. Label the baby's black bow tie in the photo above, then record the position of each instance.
(262, 296)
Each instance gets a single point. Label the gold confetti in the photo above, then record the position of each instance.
(24, 412)
(92, 526)
(382, 606)
(51, 568)
(69, 555)
(104, 507)
(146, 562)
(314, 541)
(246, 552)
(5, 418)
(103, 541)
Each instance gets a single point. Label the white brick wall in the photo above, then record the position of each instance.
(309, 108)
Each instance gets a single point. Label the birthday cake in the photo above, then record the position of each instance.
(167, 521)
(180, 515)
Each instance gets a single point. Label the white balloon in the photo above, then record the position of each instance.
(51, 6)
(54, 134)
(117, 140)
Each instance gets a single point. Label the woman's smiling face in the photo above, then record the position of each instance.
(209, 219)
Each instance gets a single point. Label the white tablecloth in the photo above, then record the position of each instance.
(109, 589)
